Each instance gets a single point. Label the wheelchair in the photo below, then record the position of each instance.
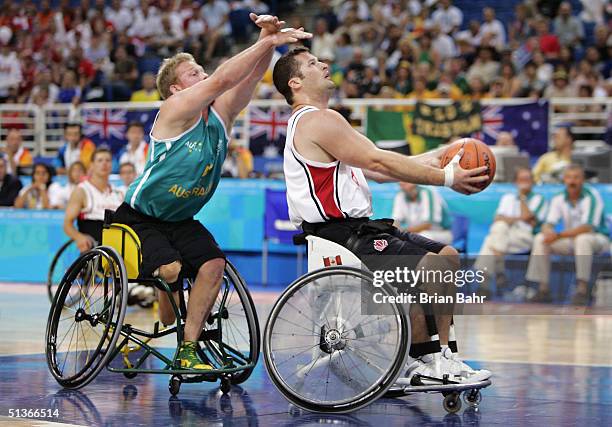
(86, 331)
(327, 349)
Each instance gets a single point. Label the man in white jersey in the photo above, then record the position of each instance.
(326, 163)
(584, 234)
(90, 199)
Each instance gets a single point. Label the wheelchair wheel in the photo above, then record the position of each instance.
(81, 338)
(239, 325)
(322, 353)
(63, 258)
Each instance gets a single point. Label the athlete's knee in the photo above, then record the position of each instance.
(451, 255)
(212, 270)
(170, 272)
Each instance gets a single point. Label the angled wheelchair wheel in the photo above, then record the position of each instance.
(324, 351)
(80, 338)
(63, 258)
(239, 326)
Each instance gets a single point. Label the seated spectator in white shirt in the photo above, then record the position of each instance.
(422, 210)
(36, 195)
(492, 29)
(60, 194)
(136, 150)
(518, 215)
(584, 234)
(447, 16)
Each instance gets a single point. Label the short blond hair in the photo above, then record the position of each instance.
(166, 76)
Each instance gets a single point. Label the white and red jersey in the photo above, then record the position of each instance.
(319, 192)
(98, 201)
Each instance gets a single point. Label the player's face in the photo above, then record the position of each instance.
(316, 73)
(102, 164)
(189, 73)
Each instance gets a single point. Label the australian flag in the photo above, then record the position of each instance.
(267, 130)
(528, 124)
(108, 126)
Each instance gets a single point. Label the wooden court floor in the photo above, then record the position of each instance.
(553, 368)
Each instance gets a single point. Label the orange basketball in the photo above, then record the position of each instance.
(475, 154)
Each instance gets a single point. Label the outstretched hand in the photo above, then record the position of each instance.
(463, 180)
(290, 35)
(268, 23)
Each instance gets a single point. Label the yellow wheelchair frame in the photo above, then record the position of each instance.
(104, 273)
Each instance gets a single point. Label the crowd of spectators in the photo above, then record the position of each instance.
(425, 49)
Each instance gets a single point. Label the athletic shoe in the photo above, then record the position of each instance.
(430, 369)
(542, 297)
(142, 295)
(189, 359)
(459, 367)
(580, 299)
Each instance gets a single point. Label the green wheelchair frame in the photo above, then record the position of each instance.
(105, 272)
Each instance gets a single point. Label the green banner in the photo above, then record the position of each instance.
(458, 119)
(393, 130)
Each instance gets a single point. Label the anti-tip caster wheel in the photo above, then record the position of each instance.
(472, 398)
(175, 385)
(452, 403)
(226, 385)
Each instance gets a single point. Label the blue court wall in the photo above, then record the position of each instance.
(29, 239)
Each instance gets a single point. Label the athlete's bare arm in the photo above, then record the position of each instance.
(232, 102)
(430, 158)
(325, 136)
(73, 209)
(184, 107)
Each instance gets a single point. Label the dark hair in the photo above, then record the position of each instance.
(286, 68)
(568, 129)
(73, 124)
(134, 124)
(130, 164)
(48, 168)
(101, 149)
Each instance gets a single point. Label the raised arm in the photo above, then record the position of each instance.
(335, 136)
(232, 102)
(187, 103)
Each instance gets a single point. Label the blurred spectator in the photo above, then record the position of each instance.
(326, 11)
(169, 39)
(146, 22)
(492, 32)
(593, 10)
(36, 195)
(477, 88)
(360, 7)
(322, 40)
(568, 28)
(472, 35)
(560, 87)
(119, 16)
(510, 82)
(70, 91)
(442, 44)
(544, 69)
(548, 43)
(216, 15)
(238, 163)
(420, 91)
(485, 67)
(60, 194)
(447, 16)
(504, 146)
(520, 29)
(370, 41)
(75, 148)
(518, 216)
(44, 80)
(551, 164)
(10, 71)
(421, 210)
(16, 154)
(149, 92)
(127, 173)
(601, 41)
(135, 152)
(9, 185)
(584, 234)
(124, 76)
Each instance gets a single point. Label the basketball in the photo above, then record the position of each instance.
(476, 153)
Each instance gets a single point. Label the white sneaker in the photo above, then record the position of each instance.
(459, 367)
(430, 369)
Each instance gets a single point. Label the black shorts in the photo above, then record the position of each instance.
(164, 242)
(376, 242)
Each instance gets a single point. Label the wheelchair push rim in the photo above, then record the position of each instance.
(80, 339)
(322, 353)
(235, 317)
